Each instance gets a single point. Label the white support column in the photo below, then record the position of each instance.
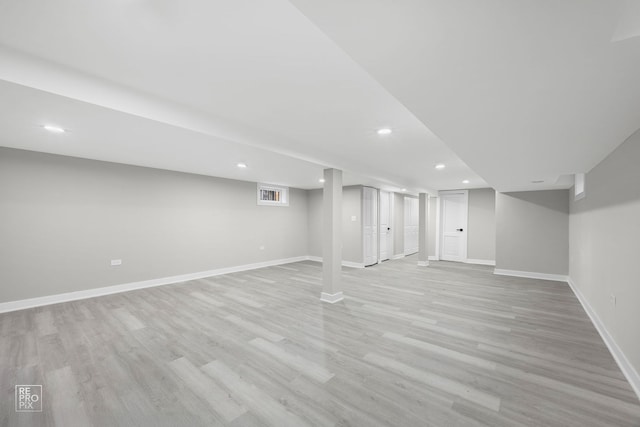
(332, 239)
(423, 230)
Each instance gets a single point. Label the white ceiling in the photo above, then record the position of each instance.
(521, 90)
(531, 90)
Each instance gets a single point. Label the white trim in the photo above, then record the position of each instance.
(344, 263)
(465, 226)
(531, 275)
(433, 258)
(115, 289)
(331, 298)
(625, 366)
(481, 261)
(353, 264)
(423, 263)
(397, 256)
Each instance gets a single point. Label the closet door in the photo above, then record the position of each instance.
(370, 225)
(410, 225)
(385, 225)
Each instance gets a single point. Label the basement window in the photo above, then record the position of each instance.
(273, 195)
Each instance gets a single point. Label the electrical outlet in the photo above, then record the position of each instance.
(115, 262)
(261, 248)
(353, 218)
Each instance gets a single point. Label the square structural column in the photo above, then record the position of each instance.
(423, 230)
(332, 238)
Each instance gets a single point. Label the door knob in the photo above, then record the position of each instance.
(388, 228)
(459, 229)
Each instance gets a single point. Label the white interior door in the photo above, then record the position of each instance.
(453, 223)
(385, 225)
(410, 225)
(370, 225)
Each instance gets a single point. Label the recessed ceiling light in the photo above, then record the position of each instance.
(384, 131)
(242, 165)
(321, 180)
(440, 166)
(537, 181)
(54, 129)
(404, 189)
(466, 181)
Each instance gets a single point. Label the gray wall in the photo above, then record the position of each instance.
(64, 219)
(351, 230)
(481, 236)
(352, 249)
(314, 222)
(605, 245)
(532, 231)
(433, 230)
(398, 224)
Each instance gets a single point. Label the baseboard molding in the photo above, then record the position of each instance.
(625, 366)
(344, 263)
(491, 262)
(331, 298)
(397, 256)
(531, 275)
(423, 263)
(115, 289)
(433, 258)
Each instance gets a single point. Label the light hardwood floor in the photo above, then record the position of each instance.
(445, 345)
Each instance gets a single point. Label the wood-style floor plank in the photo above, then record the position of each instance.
(446, 345)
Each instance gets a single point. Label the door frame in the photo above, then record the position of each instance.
(465, 242)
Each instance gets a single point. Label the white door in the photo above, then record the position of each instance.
(410, 225)
(370, 225)
(453, 235)
(385, 225)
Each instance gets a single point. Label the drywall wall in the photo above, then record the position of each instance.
(314, 222)
(64, 219)
(604, 246)
(433, 229)
(398, 224)
(352, 250)
(481, 236)
(532, 231)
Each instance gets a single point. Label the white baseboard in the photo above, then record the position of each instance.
(397, 256)
(625, 366)
(352, 264)
(433, 258)
(531, 275)
(331, 298)
(491, 262)
(108, 290)
(344, 263)
(423, 263)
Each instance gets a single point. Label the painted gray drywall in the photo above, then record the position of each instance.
(352, 249)
(314, 222)
(398, 224)
(532, 231)
(605, 244)
(433, 230)
(64, 219)
(351, 230)
(481, 236)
